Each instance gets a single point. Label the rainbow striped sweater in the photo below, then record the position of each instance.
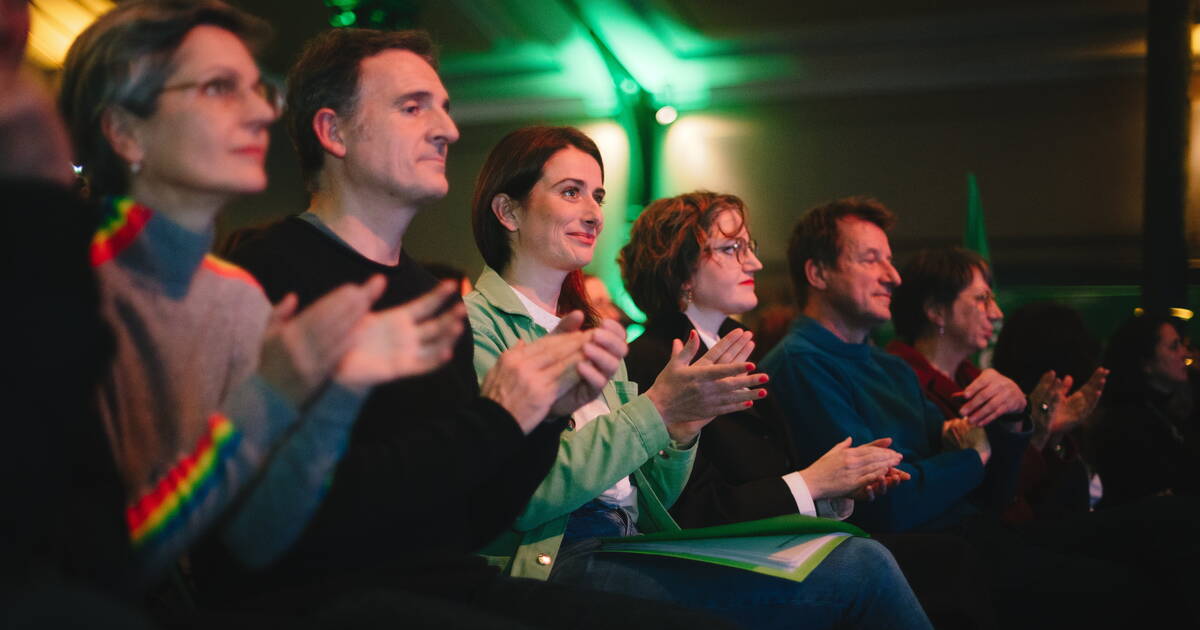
(190, 422)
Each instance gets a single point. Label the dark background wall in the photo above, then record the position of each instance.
(1043, 101)
(1058, 165)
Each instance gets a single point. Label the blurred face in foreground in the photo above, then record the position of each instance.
(208, 134)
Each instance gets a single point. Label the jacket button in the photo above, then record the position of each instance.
(663, 454)
(544, 559)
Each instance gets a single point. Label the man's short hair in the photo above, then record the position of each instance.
(327, 74)
(817, 235)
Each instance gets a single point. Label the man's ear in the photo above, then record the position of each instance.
(325, 124)
(120, 129)
(815, 273)
(505, 210)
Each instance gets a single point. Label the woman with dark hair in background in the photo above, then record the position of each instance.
(1043, 343)
(945, 312)
(168, 115)
(1138, 439)
(536, 215)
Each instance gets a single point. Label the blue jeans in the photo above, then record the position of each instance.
(857, 586)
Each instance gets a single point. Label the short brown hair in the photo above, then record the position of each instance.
(122, 60)
(817, 235)
(328, 73)
(934, 277)
(665, 244)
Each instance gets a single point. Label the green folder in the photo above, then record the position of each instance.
(818, 536)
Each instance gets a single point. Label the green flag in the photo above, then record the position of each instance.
(975, 234)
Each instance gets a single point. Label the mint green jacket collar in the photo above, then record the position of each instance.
(503, 298)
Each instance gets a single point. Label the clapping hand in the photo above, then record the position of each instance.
(300, 351)
(690, 396)
(1054, 412)
(403, 341)
(845, 470)
(528, 378)
(603, 349)
(959, 433)
(990, 396)
(880, 486)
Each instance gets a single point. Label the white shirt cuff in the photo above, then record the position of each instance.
(803, 498)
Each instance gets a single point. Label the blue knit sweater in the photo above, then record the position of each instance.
(830, 389)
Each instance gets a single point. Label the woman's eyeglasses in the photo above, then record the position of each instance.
(229, 90)
(738, 249)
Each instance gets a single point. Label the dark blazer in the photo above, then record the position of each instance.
(742, 456)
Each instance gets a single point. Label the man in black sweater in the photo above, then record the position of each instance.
(437, 465)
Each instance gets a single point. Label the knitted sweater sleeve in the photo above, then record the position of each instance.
(259, 470)
(288, 488)
(190, 495)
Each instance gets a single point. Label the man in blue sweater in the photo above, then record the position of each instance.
(830, 383)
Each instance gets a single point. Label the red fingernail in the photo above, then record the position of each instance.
(762, 392)
(749, 367)
(748, 403)
(762, 378)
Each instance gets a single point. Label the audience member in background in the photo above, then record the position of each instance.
(1139, 436)
(437, 465)
(832, 384)
(601, 300)
(691, 264)
(536, 215)
(1046, 348)
(1038, 341)
(169, 116)
(945, 312)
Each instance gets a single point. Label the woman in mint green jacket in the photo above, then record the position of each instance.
(625, 457)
